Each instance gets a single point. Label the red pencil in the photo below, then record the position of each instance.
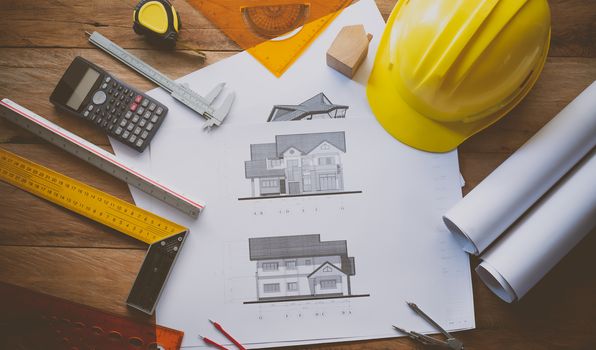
(212, 343)
(220, 328)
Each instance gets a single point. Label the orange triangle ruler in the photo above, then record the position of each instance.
(275, 32)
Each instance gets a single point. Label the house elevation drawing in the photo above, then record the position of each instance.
(316, 107)
(297, 165)
(301, 267)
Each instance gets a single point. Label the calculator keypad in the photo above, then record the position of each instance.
(131, 117)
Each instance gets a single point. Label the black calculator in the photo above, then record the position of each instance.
(93, 94)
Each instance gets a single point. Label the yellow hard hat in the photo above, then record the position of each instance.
(447, 69)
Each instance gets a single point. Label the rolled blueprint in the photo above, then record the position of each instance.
(544, 235)
(498, 201)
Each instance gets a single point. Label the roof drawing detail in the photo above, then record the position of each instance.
(318, 104)
(288, 247)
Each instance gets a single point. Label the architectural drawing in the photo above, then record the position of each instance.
(297, 165)
(301, 267)
(316, 107)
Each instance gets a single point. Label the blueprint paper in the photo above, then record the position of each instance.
(209, 280)
(544, 235)
(332, 258)
(500, 199)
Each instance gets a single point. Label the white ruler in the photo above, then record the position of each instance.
(96, 156)
(181, 92)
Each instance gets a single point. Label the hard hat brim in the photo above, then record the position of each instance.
(406, 124)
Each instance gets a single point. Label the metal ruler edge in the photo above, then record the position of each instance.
(94, 204)
(181, 92)
(96, 156)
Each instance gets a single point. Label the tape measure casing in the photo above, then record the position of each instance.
(158, 21)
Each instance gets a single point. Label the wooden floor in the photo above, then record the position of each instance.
(45, 248)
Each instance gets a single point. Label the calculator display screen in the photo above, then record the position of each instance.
(82, 89)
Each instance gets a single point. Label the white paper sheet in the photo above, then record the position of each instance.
(420, 255)
(389, 216)
(544, 235)
(500, 199)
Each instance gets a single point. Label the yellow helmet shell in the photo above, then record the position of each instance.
(446, 69)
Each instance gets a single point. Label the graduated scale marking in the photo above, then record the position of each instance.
(181, 92)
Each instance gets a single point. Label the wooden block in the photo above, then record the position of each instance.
(348, 50)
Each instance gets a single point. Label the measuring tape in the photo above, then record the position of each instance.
(181, 92)
(165, 237)
(31, 320)
(96, 156)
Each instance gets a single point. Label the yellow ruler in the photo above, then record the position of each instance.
(164, 236)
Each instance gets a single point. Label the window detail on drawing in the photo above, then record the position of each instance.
(297, 165)
(316, 107)
(301, 267)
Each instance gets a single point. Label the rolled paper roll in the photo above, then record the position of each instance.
(507, 193)
(544, 235)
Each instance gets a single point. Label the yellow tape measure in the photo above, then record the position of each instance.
(165, 237)
(85, 200)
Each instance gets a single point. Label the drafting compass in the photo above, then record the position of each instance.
(451, 342)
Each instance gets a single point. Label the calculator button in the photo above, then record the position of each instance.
(132, 93)
(128, 115)
(129, 127)
(86, 114)
(142, 122)
(99, 120)
(144, 134)
(104, 85)
(139, 143)
(111, 127)
(145, 103)
(118, 131)
(152, 106)
(112, 101)
(113, 110)
(125, 134)
(132, 138)
(119, 87)
(137, 130)
(135, 119)
(116, 94)
(138, 99)
(123, 122)
(159, 111)
(125, 91)
(154, 119)
(114, 84)
(118, 104)
(141, 110)
(93, 117)
(149, 127)
(133, 107)
(147, 115)
(99, 97)
(111, 91)
(108, 79)
(122, 97)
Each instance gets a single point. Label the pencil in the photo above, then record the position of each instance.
(212, 343)
(220, 328)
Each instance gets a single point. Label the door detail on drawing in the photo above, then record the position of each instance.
(301, 267)
(297, 165)
(316, 107)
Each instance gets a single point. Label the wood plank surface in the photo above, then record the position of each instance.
(48, 249)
